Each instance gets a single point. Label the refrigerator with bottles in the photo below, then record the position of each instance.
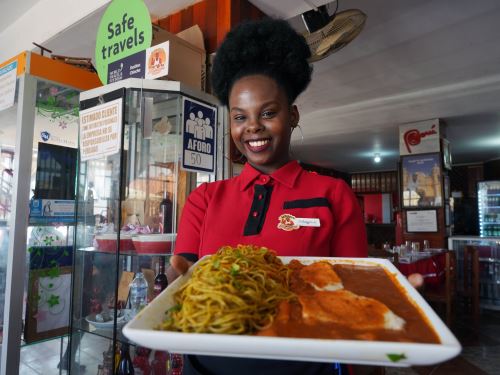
(488, 193)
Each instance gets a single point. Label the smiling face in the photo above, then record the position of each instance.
(261, 120)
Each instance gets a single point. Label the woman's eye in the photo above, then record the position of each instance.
(268, 114)
(239, 118)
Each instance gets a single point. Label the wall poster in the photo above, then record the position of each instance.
(422, 181)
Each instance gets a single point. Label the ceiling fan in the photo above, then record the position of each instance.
(329, 33)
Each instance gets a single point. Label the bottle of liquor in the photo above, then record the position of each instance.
(125, 366)
(166, 207)
(160, 279)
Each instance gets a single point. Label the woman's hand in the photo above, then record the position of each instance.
(416, 280)
(178, 266)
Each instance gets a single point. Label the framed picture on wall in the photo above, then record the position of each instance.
(421, 181)
(418, 221)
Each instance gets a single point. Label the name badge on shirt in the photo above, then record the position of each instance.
(307, 222)
(289, 222)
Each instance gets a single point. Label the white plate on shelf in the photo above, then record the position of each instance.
(142, 331)
(125, 316)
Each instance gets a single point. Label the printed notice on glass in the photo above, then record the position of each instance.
(198, 136)
(8, 74)
(421, 221)
(100, 130)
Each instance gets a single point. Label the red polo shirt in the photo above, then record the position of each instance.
(269, 210)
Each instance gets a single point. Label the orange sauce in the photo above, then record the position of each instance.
(367, 281)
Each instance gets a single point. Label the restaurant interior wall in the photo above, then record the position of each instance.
(39, 81)
(215, 18)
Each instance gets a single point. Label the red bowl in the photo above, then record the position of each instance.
(107, 242)
(156, 243)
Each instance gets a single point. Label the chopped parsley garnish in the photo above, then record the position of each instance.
(216, 264)
(174, 308)
(394, 357)
(235, 269)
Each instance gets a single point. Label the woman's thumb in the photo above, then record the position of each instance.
(180, 264)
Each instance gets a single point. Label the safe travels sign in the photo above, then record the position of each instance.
(125, 29)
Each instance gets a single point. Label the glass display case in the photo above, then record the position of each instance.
(38, 135)
(132, 184)
(489, 266)
(488, 193)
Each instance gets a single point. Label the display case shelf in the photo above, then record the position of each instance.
(122, 253)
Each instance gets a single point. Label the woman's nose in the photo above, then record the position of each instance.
(254, 125)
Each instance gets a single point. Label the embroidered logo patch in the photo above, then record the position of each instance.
(287, 222)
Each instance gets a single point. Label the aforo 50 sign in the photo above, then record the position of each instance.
(125, 29)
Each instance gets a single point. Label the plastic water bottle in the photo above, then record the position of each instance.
(138, 293)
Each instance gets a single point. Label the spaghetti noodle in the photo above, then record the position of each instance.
(235, 291)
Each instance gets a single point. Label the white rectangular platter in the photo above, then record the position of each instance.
(141, 330)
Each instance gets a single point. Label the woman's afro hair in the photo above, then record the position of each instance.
(270, 47)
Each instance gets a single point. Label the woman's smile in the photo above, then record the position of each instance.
(258, 145)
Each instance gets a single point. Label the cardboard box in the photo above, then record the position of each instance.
(187, 57)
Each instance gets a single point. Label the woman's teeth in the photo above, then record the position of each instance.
(258, 143)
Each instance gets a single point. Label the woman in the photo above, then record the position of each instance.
(258, 72)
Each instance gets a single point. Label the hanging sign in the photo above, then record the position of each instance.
(8, 74)
(124, 30)
(419, 137)
(100, 130)
(198, 136)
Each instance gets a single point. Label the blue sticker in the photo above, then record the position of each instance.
(45, 135)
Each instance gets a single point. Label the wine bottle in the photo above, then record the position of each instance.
(125, 366)
(160, 279)
(166, 207)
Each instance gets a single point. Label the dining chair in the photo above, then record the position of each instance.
(444, 293)
(470, 290)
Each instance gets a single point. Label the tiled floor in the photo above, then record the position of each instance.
(43, 358)
(480, 355)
